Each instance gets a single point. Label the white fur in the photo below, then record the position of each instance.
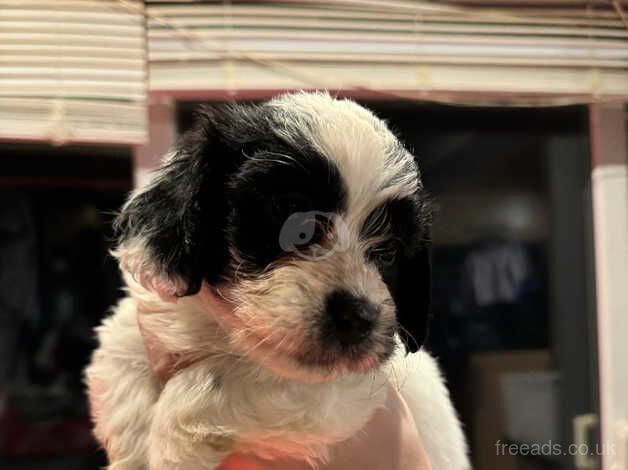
(372, 161)
(223, 402)
(193, 421)
(425, 393)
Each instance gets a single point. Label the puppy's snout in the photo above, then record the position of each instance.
(351, 319)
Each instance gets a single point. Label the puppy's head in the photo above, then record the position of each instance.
(306, 216)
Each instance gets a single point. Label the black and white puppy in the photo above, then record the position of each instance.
(277, 270)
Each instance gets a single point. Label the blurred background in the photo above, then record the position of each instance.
(516, 111)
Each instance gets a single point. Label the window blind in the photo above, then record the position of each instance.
(495, 51)
(73, 71)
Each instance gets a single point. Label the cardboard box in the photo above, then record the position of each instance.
(488, 426)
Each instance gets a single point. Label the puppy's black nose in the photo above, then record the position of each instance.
(351, 319)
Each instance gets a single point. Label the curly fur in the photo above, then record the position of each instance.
(226, 342)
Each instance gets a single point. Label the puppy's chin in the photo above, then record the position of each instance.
(311, 363)
(295, 366)
(305, 361)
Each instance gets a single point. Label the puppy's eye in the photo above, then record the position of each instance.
(284, 205)
(385, 255)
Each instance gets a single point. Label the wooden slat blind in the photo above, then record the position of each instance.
(73, 70)
(491, 50)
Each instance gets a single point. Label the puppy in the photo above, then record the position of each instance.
(278, 275)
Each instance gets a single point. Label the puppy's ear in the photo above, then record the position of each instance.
(170, 231)
(414, 295)
(413, 290)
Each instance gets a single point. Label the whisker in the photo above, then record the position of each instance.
(245, 355)
(417, 344)
(288, 157)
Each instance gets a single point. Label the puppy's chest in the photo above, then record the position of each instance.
(337, 409)
(300, 420)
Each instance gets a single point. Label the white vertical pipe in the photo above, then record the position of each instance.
(610, 218)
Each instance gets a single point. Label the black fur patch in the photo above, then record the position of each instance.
(275, 182)
(226, 184)
(404, 263)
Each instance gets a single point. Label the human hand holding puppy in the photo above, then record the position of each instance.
(389, 441)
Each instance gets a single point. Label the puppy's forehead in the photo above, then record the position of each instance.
(373, 163)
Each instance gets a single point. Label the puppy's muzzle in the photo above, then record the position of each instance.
(350, 319)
